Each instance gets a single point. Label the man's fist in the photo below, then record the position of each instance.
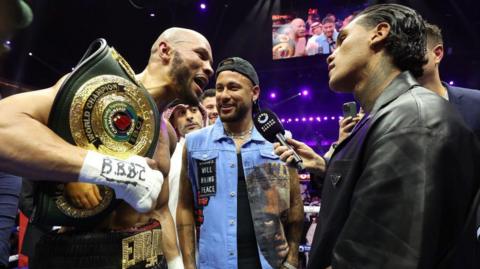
(83, 195)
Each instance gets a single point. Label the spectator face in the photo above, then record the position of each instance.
(298, 26)
(317, 30)
(210, 105)
(328, 29)
(186, 120)
(235, 95)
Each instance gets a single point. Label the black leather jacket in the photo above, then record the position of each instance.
(398, 190)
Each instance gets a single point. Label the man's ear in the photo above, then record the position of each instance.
(255, 93)
(164, 51)
(438, 51)
(379, 34)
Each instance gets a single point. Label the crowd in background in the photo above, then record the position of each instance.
(298, 36)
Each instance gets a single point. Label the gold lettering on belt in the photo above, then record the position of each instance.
(142, 247)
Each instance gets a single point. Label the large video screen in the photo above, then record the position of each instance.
(305, 31)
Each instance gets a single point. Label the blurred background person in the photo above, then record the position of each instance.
(328, 40)
(312, 46)
(466, 101)
(299, 34)
(210, 104)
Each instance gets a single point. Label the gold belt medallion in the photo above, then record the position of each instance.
(110, 115)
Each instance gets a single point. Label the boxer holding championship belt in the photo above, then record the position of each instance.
(109, 113)
(90, 131)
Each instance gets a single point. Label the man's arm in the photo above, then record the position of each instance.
(185, 219)
(294, 219)
(30, 149)
(169, 238)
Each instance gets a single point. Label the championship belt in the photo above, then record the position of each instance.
(99, 107)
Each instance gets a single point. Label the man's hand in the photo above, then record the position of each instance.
(83, 195)
(133, 179)
(346, 126)
(313, 162)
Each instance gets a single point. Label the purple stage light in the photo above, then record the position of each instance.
(305, 92)
(152, 14)
(282, 120)
(333, 118)
(296, 119)
(289, 120)
(325, 118)
(304, 119)
(319, 119)
(203, 6)
(451, 82)
(273, 95)
(8, 42)
(311, 143)
(310, 119)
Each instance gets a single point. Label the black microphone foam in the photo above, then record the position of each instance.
(268, 125)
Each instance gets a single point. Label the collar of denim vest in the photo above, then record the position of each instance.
(219, 133)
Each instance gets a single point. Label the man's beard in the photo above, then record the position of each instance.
(239, 114)
(181, 75)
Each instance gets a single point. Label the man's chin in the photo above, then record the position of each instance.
(228, 118)
(338, 86)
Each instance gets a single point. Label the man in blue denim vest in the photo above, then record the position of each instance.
(244, 201)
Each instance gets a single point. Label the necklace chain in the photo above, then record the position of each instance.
(238, 136)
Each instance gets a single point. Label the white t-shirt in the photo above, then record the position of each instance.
(174, 180)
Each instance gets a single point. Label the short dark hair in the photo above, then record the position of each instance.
(327, 20)
(406, 42)
(207, 93)
(434, 34)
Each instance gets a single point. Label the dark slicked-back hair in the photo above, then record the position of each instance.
(406, 42)
(207, 93)
(434, 35)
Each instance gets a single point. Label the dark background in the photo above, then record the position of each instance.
(62, 30)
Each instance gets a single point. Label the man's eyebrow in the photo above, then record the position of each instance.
(204, 53)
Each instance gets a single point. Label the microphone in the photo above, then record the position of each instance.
(267, 123)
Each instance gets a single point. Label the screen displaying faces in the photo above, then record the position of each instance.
(306, 32)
